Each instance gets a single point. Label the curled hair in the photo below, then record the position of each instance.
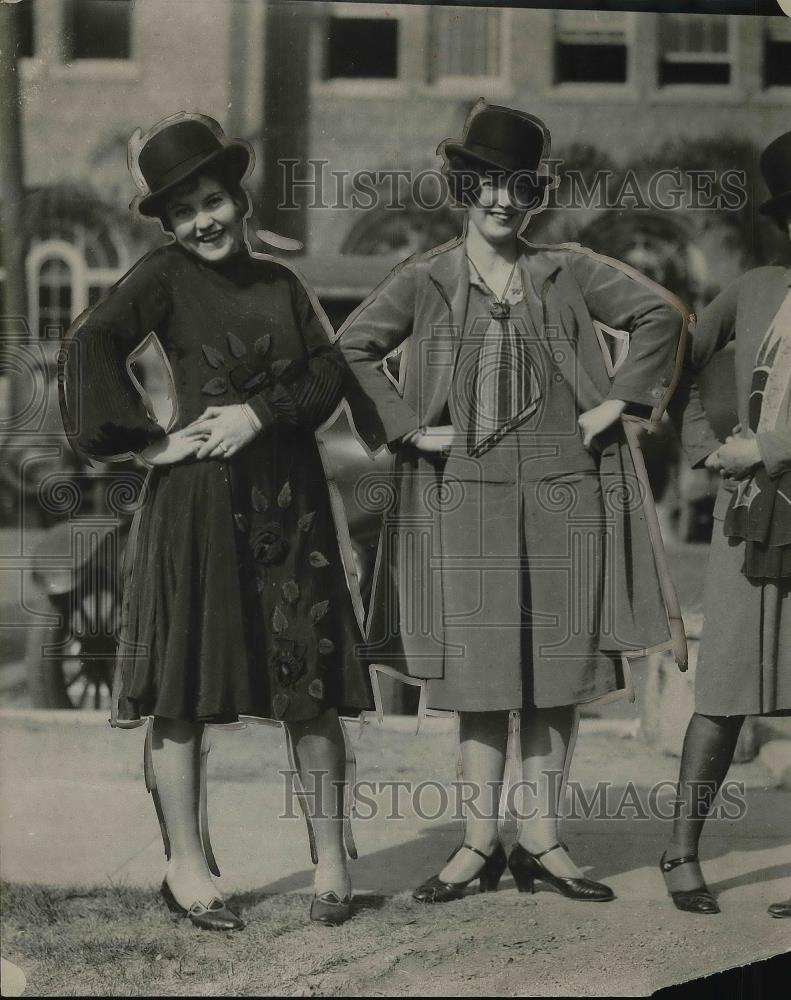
(220, 172)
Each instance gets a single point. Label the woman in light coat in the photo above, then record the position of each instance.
(516, 569)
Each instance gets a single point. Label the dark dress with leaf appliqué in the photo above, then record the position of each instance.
(235, 597)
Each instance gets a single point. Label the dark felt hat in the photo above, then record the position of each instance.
(776, 169)
(502, 139)
(181, 149)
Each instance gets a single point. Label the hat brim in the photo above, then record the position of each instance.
(478, 159)
(774, 206)
(236, 154)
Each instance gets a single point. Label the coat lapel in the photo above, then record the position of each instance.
(445, 316)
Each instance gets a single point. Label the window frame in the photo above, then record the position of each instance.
(733, 90)
(574, 89)
(127, 68)
(772, 92)
(83, 276)
(470, 86)
(373, 87)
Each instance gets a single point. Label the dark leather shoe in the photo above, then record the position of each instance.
(328, 908)
(214, 917)
(697, 900)
(527, 868)
(781, 909)
(434, 890)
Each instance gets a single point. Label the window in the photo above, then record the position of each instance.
(695, 48)
(465, 44)
(25, 39)
(67, 271)
(777, 52)
(97, 29)
(362, 48)
(590, 47)
(54, 306)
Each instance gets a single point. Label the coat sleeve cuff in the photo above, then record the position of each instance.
(262, 410)
(775, 448)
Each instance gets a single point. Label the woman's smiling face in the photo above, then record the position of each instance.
(205, 219)
(495, 212)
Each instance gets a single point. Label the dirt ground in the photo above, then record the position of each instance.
(111, 935)
(121, 943)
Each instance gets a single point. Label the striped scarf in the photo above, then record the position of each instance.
(506, 388)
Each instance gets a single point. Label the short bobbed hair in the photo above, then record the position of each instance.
(222, 173)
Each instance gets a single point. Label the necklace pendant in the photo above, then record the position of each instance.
(500, 310)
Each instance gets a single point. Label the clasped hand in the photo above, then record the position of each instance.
(737, 458)
(219, 432)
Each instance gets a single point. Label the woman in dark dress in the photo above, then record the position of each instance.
(235, 599)
(744, 663)
(514, 574)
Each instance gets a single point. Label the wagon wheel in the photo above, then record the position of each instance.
(70, 664)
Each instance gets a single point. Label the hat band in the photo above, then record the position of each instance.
(499, 156)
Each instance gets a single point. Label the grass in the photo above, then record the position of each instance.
(120, 941)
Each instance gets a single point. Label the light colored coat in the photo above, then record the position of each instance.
(420, 308)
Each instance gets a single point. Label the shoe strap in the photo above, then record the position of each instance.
(480, 854)
(547, 851)
(668, 866)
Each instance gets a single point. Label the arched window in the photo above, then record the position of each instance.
(67, 270)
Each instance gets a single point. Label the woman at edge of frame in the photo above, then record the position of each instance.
(744, 661)
(462, 315)
(235, 601)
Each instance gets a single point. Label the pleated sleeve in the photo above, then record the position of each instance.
(309, 397)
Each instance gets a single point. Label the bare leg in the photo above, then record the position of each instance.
(483, 737)
(321, 759)
(176, 754)
(545, 734)
(709, 745)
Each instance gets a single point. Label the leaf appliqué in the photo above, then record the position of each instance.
(316, 689)
(280, 367)
(262, 345)
(279, 621)
(319, 610)
(242, 523)
(258, 500)
(326, 647)
(284, 497)
(280, 703)
(291, 591)
(306, 521)
(213, 356)
(235, 345)
(318, 560)
(215, 386)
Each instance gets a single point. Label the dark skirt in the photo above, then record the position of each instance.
(235, 597)
(523, 596)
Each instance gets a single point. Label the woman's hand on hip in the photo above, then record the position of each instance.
(738, 457)
(433, 440)
(594, 421)
(222, 430)
(171, 449)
